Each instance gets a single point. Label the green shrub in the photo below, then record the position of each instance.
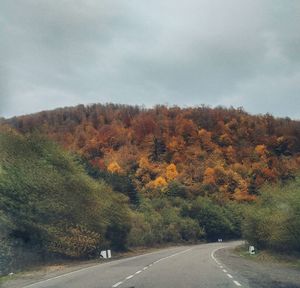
(47, 196)
(273, 222)
(161, 220)
(213, 218)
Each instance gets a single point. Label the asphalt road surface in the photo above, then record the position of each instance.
(179, 267)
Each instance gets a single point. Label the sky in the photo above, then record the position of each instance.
(57, 53)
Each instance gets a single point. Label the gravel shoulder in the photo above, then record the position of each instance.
(260, 273)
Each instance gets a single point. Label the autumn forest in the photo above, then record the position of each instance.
(157, 175)
(223, 152)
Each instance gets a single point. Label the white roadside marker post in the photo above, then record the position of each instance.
(103, 254)
(251, 250)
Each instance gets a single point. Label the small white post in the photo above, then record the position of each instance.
(251, 250)
(108, 253)
(103, 254)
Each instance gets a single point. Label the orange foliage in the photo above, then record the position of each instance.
(171, 172)
(208, 146)
(230, 154)
(209, 176)
(176, 144)
(261, 150)
(114, 167)
(159, 182)
(225, 140)
(205, 140)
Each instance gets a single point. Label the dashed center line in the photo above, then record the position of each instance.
(117, 284)
(128, 277)
(148, 266)
(229, 276)
(236, 283)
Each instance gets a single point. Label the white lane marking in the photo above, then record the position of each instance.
(60, 276)
(170, 256)
(146, 267)
(213, 256)
(90, 267)
(128, 277)
(224, 270)
(236, 283)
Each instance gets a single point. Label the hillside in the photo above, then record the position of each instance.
(179, 169)
(49, 206)
(51, 209)
(226, 153)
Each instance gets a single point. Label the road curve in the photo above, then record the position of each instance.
(177, 267)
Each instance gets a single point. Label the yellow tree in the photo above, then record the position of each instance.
(159, 183)
(114, 167)
(261, 150)
(171, 172)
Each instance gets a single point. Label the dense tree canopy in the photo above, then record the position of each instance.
(225, 152)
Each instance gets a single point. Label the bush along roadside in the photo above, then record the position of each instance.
(273, 221)
(50, 208)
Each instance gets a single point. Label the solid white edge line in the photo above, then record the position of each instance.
(60, 276)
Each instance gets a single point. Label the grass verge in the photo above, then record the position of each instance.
(268, 256)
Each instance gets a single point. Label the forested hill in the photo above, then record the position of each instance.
(226, 153)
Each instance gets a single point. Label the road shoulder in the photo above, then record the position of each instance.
(260, 274)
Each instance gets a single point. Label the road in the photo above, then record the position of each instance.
(184, 266)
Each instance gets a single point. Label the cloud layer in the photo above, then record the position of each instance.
(61, 53)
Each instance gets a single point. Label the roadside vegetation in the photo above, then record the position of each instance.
(51, 208)
(74, 181)
(273, 221)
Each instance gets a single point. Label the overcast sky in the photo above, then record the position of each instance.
(57, 53)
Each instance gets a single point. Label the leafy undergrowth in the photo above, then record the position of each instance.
(268, 256)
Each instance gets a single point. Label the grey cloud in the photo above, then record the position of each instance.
(59, 53)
